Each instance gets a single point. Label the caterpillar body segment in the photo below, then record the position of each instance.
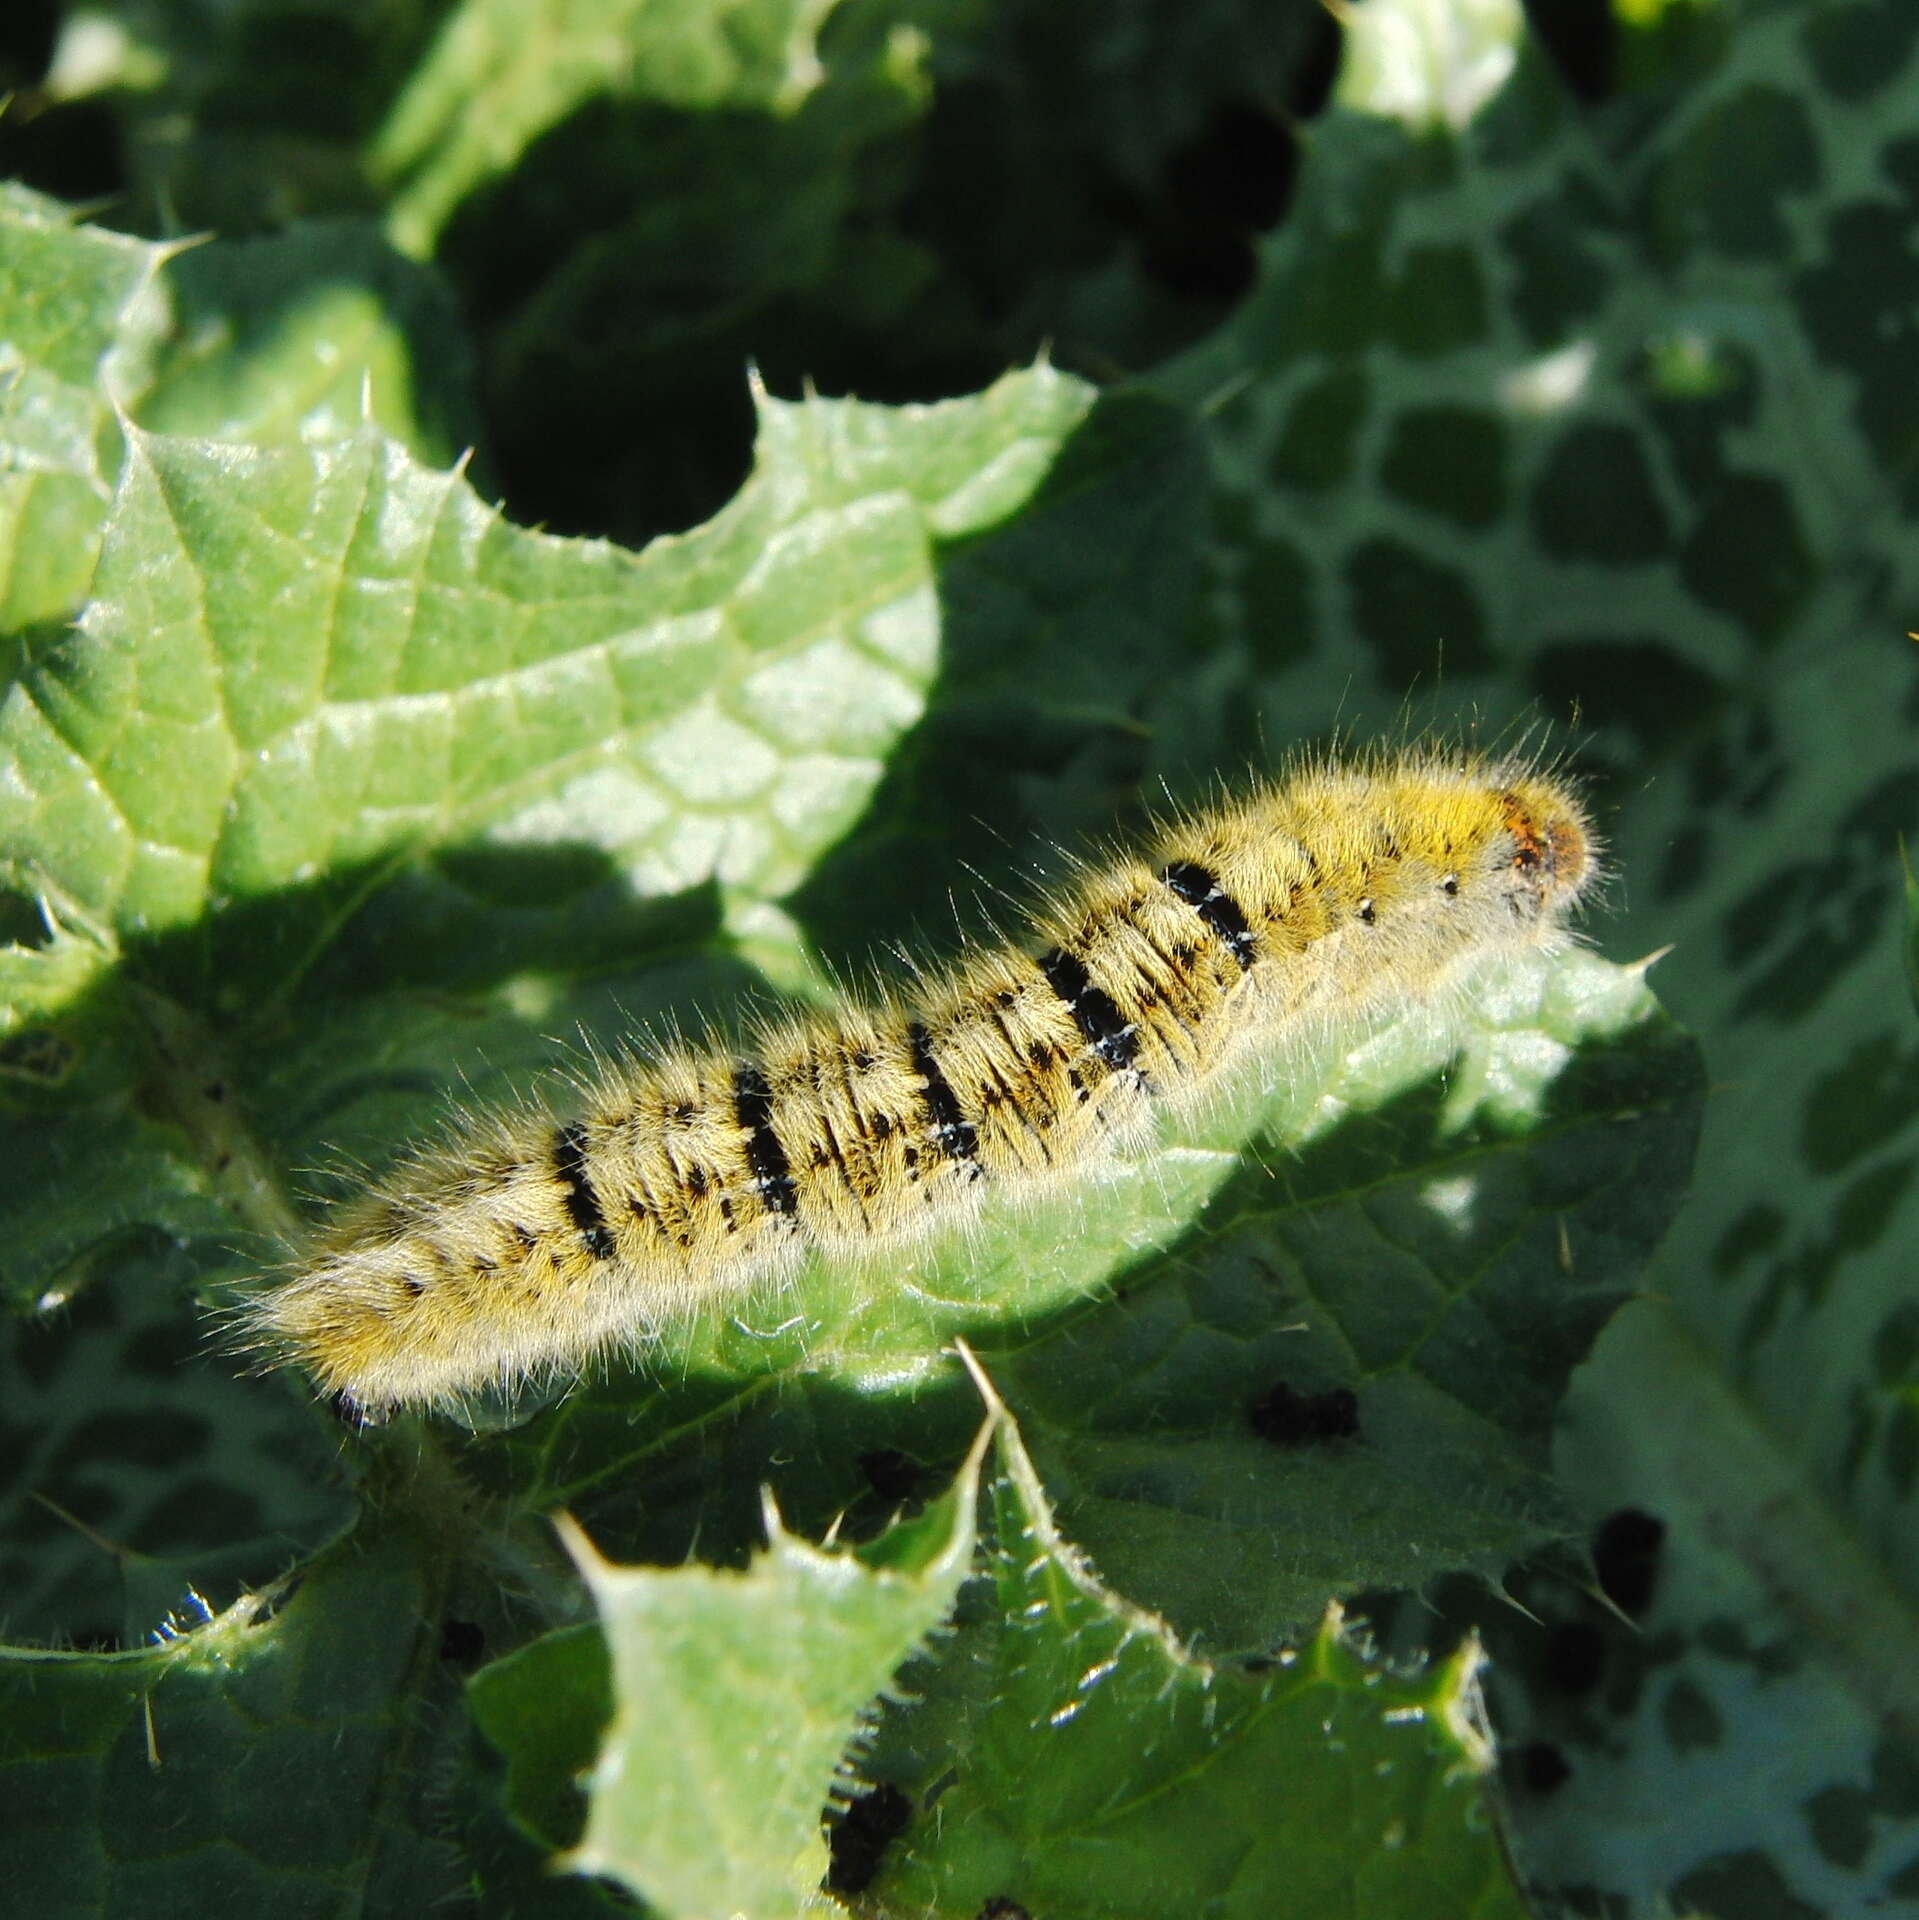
(534, 1244)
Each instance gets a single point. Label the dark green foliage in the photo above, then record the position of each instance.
(1566, 379)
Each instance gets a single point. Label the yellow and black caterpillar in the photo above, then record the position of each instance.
(533, 1244)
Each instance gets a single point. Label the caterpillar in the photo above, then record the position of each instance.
(532, 1244)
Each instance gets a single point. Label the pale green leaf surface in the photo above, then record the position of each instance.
(83, 319)
(301, 336)
(300, 663)
(36, 981)
(1429, 64)
(81, 315)
(735, 1694)
(1062, 1752)
(308, 335)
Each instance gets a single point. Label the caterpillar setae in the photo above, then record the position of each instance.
(532, 1244)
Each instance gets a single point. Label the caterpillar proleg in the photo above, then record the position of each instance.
(533, 1244)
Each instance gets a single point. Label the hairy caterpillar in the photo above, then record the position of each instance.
(535, 1243)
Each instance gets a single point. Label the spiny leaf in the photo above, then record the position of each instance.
(1061, 1753)
(302, 662)
(204, 1748)
(81, 317)
(734, 1696)
(304, 335)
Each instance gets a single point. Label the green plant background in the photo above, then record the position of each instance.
(1199, 414)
